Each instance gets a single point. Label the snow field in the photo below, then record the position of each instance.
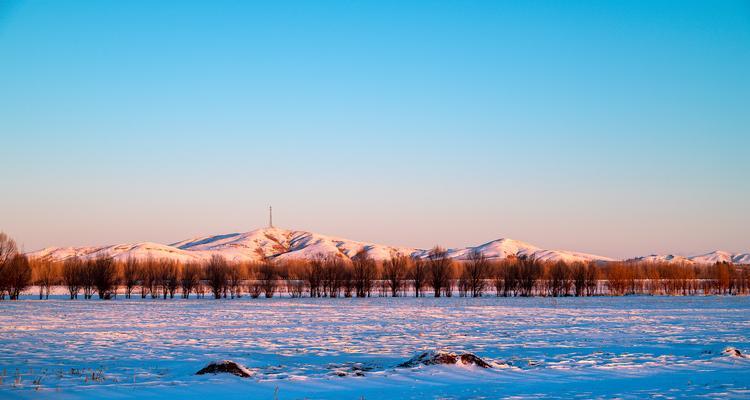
(631, 347)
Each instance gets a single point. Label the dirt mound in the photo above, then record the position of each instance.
(350, 369)
(226, 367)
(433, 357)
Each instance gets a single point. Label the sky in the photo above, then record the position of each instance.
(611, 127)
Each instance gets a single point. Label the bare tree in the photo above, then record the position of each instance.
(8, 248)
(313, 275)
(578, 272)
(168, 277)
(45, 276)
(721, 274)
(507, 277)
(347, 280)
(529, 272)
(463, 281)
(498, 277)
(17, 274)
(440, 268)
(558, 279)
(383, 286)
(364, 269)
(71, 276)
(295, 287)
(235, 276)
(477, 271)
(130, 275)
(395, 271)
(161, 275)
(295, 284)
(332, 269)
(592, 280)
(149, 278)
(8, 251)
(190, 277)
(254, 285)
(617, 278)
(418, 274)
(86, 277)
(200, 286)
(104, 277)
(216, 275)
(268, 279)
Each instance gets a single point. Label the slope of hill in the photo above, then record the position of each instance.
(284, 244)
(665, 258)
(722, 256)
(121, 252)
(708, 258)
(502, 248)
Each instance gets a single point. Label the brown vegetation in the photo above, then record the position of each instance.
(395, 270)
(440, 269)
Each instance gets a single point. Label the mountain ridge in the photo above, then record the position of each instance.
(286, 244)
(706, 258)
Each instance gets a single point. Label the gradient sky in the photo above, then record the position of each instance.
(620, 128)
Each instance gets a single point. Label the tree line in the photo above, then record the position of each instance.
(330, 276)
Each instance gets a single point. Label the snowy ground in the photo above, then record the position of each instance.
(631, 347)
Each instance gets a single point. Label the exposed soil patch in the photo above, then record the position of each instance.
(226, 367)
(443, 357)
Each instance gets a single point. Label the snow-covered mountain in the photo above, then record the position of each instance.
(722, 256)
(284, 244)
(708, 258)
(502, 248)
(667, 258)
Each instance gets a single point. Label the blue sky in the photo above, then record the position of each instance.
(619, 128)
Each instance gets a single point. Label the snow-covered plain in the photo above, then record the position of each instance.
(630, 347)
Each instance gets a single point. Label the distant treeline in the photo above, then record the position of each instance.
(436, 275)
